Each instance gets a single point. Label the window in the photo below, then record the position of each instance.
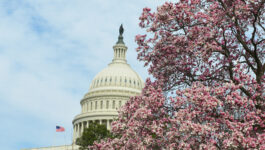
(96, 105)
(119, 103)
(91, 106)
(107, 106)
(101, 105)
(113, 104)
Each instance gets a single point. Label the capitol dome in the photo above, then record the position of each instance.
(108, 91)
(117, 76)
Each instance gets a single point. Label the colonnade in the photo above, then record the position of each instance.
(79, 127)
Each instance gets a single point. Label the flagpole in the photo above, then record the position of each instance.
(53, 139)
(64, 139)
(72, 138)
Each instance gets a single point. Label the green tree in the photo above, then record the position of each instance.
(95, 132)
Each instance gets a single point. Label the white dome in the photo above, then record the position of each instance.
(117, 76)
(109, 90)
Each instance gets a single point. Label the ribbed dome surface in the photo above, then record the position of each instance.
(117, 76)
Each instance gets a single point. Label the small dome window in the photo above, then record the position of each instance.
(106, 80)
(107, 106)
(130, 81)
(113, 104)
(110, 79)
(91, 106)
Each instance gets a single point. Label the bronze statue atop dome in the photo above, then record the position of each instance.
(121, 30)
(120, 39)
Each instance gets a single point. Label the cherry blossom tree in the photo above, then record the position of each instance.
(211, 55)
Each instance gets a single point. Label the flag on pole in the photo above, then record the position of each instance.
(59, 129)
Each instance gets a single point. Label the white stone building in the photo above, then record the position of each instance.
(108, 91)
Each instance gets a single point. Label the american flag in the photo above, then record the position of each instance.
(59, 129)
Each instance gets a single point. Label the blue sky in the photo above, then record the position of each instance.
(50, 50)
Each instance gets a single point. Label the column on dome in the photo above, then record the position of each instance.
(82, 128)
(81, 131)
(84, 125)
(86, 106)
(77, 126)
(78, 130)
(74, 132)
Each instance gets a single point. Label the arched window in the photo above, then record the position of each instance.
(119, 103)
(107, 106)
(91, 106)
(113, 104)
